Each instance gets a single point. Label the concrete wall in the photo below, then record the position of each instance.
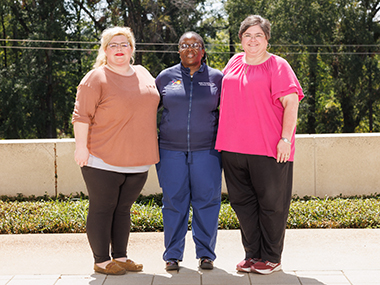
(347, 164)
(334, 164)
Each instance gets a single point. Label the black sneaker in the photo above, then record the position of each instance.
(206, 263)
(172, 264)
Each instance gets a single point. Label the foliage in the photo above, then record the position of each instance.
(155, 199)
(47, 46)
(39, 77)
(227, 218)
(43, 217)
(21, 198)
(68, 215)
(146, 218)
(218, 51)
(336, 213)
(355, 71)
(331, 46)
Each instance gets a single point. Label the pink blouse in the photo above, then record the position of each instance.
(251, 115)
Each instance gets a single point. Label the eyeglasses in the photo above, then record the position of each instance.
(194, 46)
(254, 37)
(116, 45)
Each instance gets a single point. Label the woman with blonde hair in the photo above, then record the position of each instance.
(116, 142)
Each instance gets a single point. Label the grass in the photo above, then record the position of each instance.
(19, 215)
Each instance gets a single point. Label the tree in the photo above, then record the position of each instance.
(159, 22)
(324, 41)
(355, 69)
(237, 11)
(307, 25)
(37, 69)
(40, 72)
(49, 45)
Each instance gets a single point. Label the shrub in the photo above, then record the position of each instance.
(68, 214)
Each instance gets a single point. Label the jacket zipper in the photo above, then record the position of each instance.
(188, 120)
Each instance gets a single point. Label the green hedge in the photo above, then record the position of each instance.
(68, 214)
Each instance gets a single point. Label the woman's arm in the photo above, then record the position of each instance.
(81, 151)
(290, 103)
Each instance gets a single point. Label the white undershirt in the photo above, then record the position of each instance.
(96, 162)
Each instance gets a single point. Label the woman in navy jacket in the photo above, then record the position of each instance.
(190, 169)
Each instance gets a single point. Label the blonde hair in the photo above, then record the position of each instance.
(107, 36)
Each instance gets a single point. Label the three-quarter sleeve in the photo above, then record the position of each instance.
(87, 99)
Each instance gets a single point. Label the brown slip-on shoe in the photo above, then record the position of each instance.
(129, 265)
(111, 269)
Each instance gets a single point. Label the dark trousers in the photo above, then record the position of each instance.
(111, 195)
(260, 191)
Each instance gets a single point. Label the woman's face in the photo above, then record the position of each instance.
(118, 51)
(254, 41)
(190, 54)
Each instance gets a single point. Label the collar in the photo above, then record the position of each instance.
(186, 70)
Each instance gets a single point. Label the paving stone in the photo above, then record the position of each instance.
(322, 277)
(177, 279)
(363, 277)
(93, 279)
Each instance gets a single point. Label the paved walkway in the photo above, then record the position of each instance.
(311, 256)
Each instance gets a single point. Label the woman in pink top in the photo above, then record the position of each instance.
(116, 142)
(257, 124)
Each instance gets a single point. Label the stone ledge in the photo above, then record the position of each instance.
(331, 164)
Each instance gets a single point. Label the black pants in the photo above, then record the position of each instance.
(111, 195)
(260, 191)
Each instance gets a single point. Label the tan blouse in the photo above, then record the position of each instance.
(121, 113)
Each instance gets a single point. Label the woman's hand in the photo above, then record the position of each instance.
(290, 104)
(81, 156)
(283, 151)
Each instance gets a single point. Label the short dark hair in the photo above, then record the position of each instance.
(198, 36)
(193, 34)
(254, 20)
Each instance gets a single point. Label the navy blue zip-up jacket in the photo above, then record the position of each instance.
(190, 115)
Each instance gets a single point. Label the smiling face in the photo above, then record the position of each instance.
(118, 51)
(191, 57)
(254, 41)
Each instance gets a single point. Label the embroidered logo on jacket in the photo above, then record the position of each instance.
(176, 82)
(206, 84)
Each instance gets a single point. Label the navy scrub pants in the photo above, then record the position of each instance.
(185, 181)
(260, 191)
